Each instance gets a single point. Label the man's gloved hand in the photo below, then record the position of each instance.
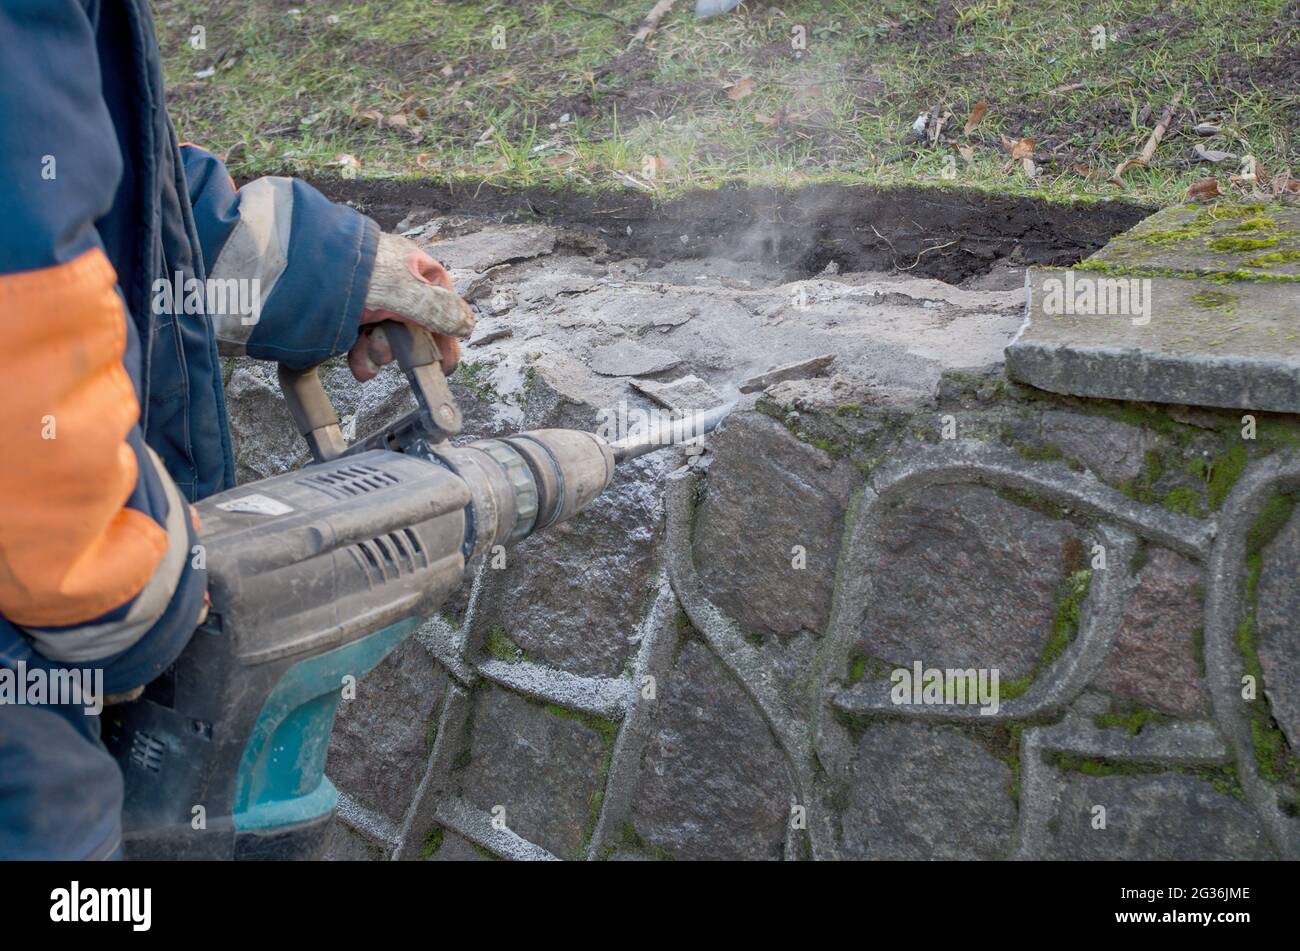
(410, 286)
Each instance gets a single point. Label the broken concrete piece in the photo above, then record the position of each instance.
(632, 359)
(500, 301)
(491, 336)
(483, 249)
(682, 395)
(791, 371)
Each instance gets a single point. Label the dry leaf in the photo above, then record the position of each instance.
(1020, 149)
(977, 114)
(1204, 190)
(1211, 155)
(740, 89)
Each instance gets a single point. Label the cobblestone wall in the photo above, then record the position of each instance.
(709, 674)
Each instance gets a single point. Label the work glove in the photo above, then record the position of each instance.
(408, 285)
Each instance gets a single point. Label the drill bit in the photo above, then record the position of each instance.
(669, 433)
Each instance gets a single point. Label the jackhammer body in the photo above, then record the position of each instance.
(314, 577)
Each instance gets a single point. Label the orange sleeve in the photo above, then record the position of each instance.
(69, 548)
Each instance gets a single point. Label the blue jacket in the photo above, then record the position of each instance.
(123, 258)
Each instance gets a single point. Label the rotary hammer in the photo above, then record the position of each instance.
(314, 577)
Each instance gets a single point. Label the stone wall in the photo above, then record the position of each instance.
(703, 664)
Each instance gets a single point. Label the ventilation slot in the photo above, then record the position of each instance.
(147, 752)
(349, 481)
(390, 556)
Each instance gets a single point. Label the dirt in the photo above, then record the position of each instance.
(948, 235)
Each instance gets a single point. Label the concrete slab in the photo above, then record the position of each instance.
(1232, 344)
(1254, 240)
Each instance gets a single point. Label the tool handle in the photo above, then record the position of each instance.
(312, 412)
(417, 354)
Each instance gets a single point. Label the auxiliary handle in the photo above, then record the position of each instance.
(436, 418)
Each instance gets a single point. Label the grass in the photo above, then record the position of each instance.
(538, 94)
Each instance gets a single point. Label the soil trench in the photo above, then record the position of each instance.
(949, 235)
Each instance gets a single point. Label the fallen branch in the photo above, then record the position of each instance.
(1149, 150)
(651, 21)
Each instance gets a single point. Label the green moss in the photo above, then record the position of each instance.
(633, 840)
(1214, 277)
(476, 376)
(432, 843)
(1224, 779)
(1184, 501)
(1276, 762)
(501, 646)
(608, 731)
(1271, 520)
(1224, 472)
(1033, 502)
(1258, 223)
(1275, 432)
(1065, 627)
(1212, 299)
(857, 666)
(1142, 488)
(1133, 719)
(833, 449)
(1234, 244)
(1044, 453)
(1176, 235)
(1141, 555)
(1273, 258)
(862, 666)
(1201, 224)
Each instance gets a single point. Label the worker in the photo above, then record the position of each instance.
(129, 265)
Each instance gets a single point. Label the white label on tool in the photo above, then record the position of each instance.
(256, 505)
